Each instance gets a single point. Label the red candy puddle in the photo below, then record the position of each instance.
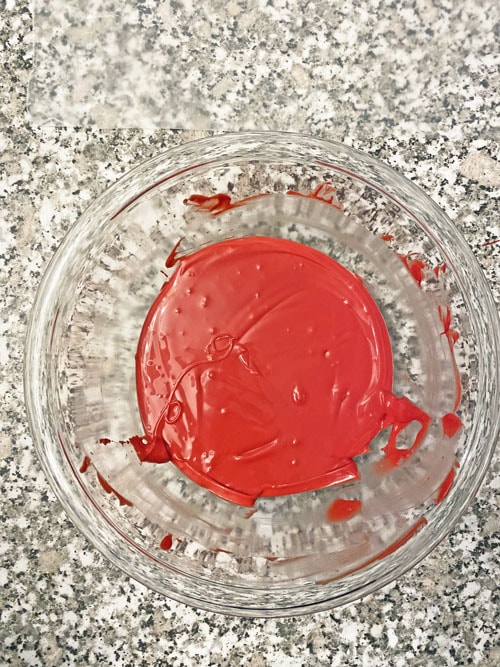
(263, 368)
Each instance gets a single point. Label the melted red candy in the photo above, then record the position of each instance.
(325, 192)
(166, 542)
(451, 424)
(446, 485)
(109, 489)
(217, 204)
(452, 337)
(85, 464)
(341, 510)
(263, 368)
(415, 266)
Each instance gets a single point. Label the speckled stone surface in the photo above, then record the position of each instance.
(306, 66)
(61, 603)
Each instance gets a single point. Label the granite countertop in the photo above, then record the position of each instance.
(61, 602)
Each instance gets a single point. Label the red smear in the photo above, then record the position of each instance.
(222, 551)
(341, 510)
(109, 489)
(445, 487)
(415, 266)
(250, 513)
(451, 424)
(452, 336)
(399, 543)
(440, 268)
(445, 316)
(387, 237)
(172, 258)
(401, 412)
(85, 465)
(325, 192)
(217, 204)
(166, 542)
(483, 245)
(152, 449)
(386, 552)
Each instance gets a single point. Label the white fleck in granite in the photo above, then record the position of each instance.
(61, 603)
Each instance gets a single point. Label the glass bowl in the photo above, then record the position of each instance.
(292, 555)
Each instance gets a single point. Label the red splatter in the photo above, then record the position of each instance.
(85, 465)
(104, 441)
(446, 485)
(415, 266)
(217, 204)
(387, 237)
(109, 489)
(445, 316)
(452, 336)
(402, 540)
(341, 510)
(440, 268)
(166, 542)
(451, 424)
(173, 258)
(222, 551)
(325, 192)
(402, 412)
